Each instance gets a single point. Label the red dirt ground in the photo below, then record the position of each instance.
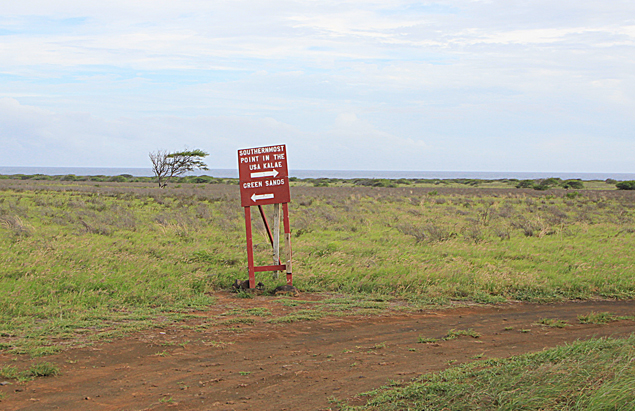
(291, 366)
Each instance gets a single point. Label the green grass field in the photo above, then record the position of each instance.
(598, 374)
(83, 259)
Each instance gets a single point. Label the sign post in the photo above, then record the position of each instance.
(264, 179)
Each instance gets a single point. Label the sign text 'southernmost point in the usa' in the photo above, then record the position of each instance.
(264, 177)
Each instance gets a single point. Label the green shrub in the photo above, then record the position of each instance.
(626, 185)
(548, 183)
(526, 184)
(203, 179)
(321, 182)
(575, 184)
(383, 182)
(374, 182)
(118, 179)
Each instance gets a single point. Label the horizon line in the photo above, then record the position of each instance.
(332, 170)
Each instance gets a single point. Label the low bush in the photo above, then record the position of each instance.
(573, 184)
(626, 185)
(525, 184)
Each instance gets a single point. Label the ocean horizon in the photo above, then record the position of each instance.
(233, 173)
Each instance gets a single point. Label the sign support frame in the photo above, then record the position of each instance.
(287, 243)
(252, 269)
(276, 237)
(264, 179)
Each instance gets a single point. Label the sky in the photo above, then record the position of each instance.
(465, 85)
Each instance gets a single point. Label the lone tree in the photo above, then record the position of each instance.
(166, 165)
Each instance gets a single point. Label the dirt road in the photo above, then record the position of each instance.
(291, 366)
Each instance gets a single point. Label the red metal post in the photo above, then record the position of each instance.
(250, 250)
(266, 223)
(287, 242)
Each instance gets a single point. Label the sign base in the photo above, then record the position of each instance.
(287, 267)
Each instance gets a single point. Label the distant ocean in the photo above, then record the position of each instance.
(233, 173)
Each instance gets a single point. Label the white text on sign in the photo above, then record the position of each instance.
(277, 158)
(271, 183)
(263, 175)
(267, 183)
(252, 184)
(260, 150)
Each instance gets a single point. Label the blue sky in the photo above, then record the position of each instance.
(364, 85)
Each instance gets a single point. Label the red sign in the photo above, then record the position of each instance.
(264, 177)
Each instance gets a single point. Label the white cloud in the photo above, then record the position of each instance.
(79, 139)
(424, 84)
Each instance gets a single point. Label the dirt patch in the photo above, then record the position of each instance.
(252, 364)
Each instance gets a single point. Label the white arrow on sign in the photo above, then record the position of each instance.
(257, 197)
(265, 174)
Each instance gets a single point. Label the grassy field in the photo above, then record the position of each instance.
(597, 374)
(86, 259)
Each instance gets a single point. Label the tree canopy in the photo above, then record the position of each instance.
(166, 165)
